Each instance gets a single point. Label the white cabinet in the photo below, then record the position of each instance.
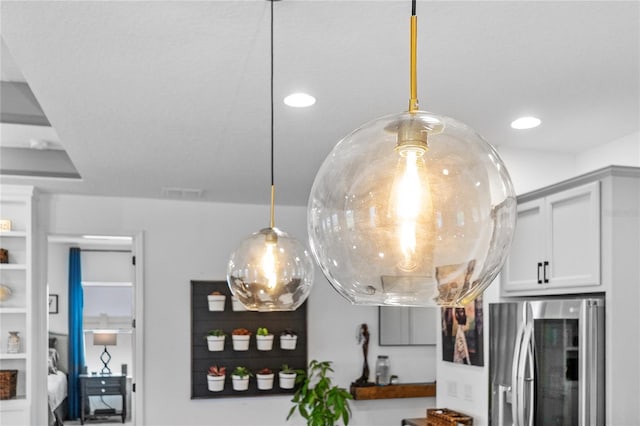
(557, 242)
(16, 308)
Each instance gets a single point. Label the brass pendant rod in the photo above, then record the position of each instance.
(413, 101)
(272, 222)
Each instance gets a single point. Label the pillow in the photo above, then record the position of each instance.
(53, 361)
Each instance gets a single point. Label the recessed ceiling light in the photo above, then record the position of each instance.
(299, 100)
(524, 123)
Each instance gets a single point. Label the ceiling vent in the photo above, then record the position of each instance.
(182, 193)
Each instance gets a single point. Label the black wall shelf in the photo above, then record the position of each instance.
(203, 320)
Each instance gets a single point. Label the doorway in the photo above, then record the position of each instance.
(111, 282)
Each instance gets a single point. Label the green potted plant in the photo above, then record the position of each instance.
(288, 339)
(287, 377)
(240, 378)
(264, 378)
(236, 305)
(317, 400)
(215, 340)
(264, 339)
(215, 378)
(216, 301)
(240, 338)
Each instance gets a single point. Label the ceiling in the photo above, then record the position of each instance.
(146, 95)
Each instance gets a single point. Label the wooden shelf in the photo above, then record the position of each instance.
(13, 266)
(16, 234)
(405, 390)
(21, 355)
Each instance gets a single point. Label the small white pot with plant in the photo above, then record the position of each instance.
(240, 378)
(215, 378)
(287, 377)
(264, 378)
(264, 339)
(236, 305)
(216, 301)
(215, 340)
(240, 338)
(288, 340)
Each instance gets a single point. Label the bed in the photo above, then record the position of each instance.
(57, 382)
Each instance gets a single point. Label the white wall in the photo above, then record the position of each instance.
(192, 241)
(621, 152)
(531, 170)
(58, 280)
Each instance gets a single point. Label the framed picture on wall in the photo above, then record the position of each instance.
(53, 303)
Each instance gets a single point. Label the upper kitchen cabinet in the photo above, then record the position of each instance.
(559, 246)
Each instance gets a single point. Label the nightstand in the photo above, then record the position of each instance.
(102, 385)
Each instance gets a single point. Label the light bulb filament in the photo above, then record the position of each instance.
(269, 265)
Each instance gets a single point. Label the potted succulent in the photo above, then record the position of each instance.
(216, 301)
(265, 379)
(236, 305)
(240, 337)
(240, 377)
(264, 339)
(287, 377)
(215, 378)
(215, 340)
(317, 400)
(288, 339)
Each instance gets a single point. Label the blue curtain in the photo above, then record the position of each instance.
(76, 332)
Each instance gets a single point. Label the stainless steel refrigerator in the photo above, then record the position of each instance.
(546, 362)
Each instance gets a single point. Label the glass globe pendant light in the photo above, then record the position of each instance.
(411, 209)
(270, 271)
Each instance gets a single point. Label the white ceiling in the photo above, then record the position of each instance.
(151, 94)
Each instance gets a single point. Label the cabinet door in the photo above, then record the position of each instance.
(521, 268)
(573, 242)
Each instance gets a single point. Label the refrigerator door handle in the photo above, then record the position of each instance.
(524, 418)
(530, 381)
(503, 392)
(516, 391)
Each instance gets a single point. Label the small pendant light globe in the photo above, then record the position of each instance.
(411, 209)
(270, 271)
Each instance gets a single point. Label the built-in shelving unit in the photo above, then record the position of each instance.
(16, 312)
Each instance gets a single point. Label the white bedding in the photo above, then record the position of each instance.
(57, 389)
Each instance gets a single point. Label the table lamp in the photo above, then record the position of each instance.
(105, 339)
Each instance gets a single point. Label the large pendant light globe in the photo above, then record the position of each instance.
(412, 209)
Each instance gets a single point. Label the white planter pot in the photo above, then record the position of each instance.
(215, 343)
(287, 380)
(236, 305)
(240, 343)
(288, 342)
(265, 381)
(216, 302)
(215, 383)
(264, 343)
(240, 383)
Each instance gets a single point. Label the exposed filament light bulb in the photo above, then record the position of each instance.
(407, 207)
(410, 195)
(269, 265)
(269, 260)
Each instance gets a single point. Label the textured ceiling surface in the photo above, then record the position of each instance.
(150, 94)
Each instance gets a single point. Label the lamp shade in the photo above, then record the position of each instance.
(105, 339)
(270, 271)
(411, 209)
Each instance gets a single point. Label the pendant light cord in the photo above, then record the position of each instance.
(273, 187)
(413, 100)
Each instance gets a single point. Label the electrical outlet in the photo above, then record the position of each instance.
(468, 392)
(452, 389)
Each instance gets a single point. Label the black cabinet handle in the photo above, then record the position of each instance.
(539, 267)
(544, 274)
